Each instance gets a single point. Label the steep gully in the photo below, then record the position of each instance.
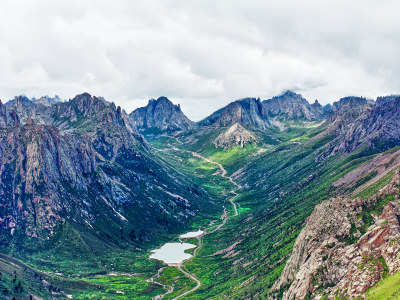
(224, 217)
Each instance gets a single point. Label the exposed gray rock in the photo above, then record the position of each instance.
(83, 162)
(380, 101)
(246, 112)
(26, 108)
(7, 118)
(358, 123)
(292, 106)
(236, 135)
(350, 103)
(47, 101)
(160, 115)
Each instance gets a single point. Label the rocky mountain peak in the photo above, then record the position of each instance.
(357, 123)
(88, 104)
(236, 135)
(19, 102)
(163, 101)
(350, 102)
(22, 99)
(47, 101)
(160, 115)
(291, 105)
(316, 104)
(246, 112)
(85, 107)
(289, 95)
(349, 109)
(380, 101)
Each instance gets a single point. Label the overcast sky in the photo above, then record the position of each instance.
(201, 54)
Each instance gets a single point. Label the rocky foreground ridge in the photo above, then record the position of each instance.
(346, 247)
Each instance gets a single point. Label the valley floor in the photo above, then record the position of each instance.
(246, 242)
(209, 230)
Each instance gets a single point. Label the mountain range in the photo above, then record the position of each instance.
(297, 200)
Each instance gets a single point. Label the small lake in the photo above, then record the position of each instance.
(172, 253)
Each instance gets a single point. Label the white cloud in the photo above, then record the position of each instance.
(202, 54)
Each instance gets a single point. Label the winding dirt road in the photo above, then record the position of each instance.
(225, 218)
(169, 288)
(223, 174)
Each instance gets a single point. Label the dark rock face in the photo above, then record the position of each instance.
(328, 109)
(35, 158)
(47, 101)
(350, 102)
(253, 113)
(7, 118)
(83, 162)
(292, 106)
(25, 108)
(380, 101)
(357, 122)
(160, 115)
(19, 102)
(345, 112)
(247, 112)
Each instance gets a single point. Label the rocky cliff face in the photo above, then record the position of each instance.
(26, 108)
(345, 112)
(236, 135)
(34, 160)
(346, 247)
(7, 118)
(385, 99)
(160, 115)
(247, 112)
(86, 166)
(292, 106)
(378, 126)
(356, 122)
(47, 101)
(252, 113)
(108, 126)
(350, 103)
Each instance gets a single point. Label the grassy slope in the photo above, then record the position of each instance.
(388, 288)
(80, 256)
(284, 185)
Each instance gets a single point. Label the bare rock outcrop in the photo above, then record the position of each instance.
(161, 115)
(246, 112)
(356, 122)
(82, 163)
(236, 135)
(346, 247)
(292, 106)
